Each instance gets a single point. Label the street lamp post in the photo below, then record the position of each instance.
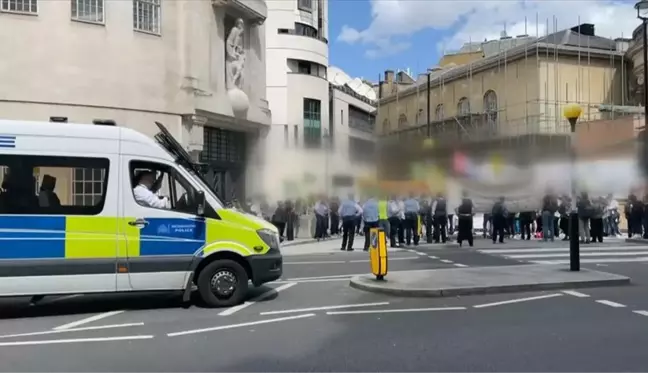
(642, 14)
(572, 112)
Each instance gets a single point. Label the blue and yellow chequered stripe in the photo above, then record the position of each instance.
(79, 237)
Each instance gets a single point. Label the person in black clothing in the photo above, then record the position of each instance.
(440, 211)
(526, 218)
(634, 214)
(498, 215)
(280, 218)
(465, 213)
(335, 217)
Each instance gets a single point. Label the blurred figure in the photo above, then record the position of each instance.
(321, 215)
(440, 210)
(549, 208)
(411, 220)
(563, 211)
(335, 217)
(279, 218)
(349, 211)
(526, 220)
(393, 212)
(383, 217)
(426, 217)
(498, 216)
(612, 216)
(465, 213)
(596, 222)
(585, 212)
(370, 217)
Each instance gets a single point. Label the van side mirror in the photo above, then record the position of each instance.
(200, 203)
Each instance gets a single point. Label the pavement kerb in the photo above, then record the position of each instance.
(365, 283)
(637, 240)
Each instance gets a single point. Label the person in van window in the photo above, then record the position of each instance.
(47, 197)
(144, 194)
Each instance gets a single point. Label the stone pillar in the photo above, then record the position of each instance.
(193, 132)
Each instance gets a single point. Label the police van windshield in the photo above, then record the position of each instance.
(183, 159)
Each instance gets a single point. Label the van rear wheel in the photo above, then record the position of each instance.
(223, 283)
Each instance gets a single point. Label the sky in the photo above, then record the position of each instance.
(367, 37)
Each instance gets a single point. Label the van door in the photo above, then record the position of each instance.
(163, 235)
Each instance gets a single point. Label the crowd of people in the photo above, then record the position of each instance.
(407, 220)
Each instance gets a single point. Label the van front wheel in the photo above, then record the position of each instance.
(223, 283)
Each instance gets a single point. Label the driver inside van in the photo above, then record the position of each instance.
(145, 191)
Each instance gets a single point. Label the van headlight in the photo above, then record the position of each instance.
(269, 237)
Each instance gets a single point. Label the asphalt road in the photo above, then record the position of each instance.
(312, 320)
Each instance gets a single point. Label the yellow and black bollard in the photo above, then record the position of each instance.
(378, 253)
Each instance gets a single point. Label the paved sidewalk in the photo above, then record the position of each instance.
(484, 280)
(329, 246)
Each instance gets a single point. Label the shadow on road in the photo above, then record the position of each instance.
(20, 307)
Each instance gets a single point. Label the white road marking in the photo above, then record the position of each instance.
(78, 340)
(611, 304)
(321, 277)
(565, 255)
(612, 260)
(396, 310)
(564, 249)
(642, 313)
(446, 261)
(460, 265)
(519, 300)
(316, 280)
(232, 326)
(433, 257)
(420, 253)
(88, 320)
(325, 308)
(575, 294)
(321, 262)
(89, 328)
(261, 297)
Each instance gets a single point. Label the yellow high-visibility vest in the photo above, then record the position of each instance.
(382, 210)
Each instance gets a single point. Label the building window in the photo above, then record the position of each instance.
(463, 107)
(304, 67)
(87, 186)
(68, 185)
(286, 136)
(305, 30)
(438, 113)
(402, 121)
(283, 31)
(361, 120)
(88, 10)
(342, 117)
(306, 5)
(146, 16)
(20, 6)
(490, 107)
(312, 123)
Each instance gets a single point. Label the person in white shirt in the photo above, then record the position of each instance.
(144, 194)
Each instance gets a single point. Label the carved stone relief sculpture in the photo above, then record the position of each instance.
(235, 68)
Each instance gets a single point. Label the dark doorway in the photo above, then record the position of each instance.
(225, 151)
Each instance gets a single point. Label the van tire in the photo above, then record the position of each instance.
(228, 269)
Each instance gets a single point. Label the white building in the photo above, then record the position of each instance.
(140, 61)
(306, 152)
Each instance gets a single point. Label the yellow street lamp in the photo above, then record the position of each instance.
(572, 112)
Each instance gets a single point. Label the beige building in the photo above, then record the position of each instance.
(140, 61)
(517, 89)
